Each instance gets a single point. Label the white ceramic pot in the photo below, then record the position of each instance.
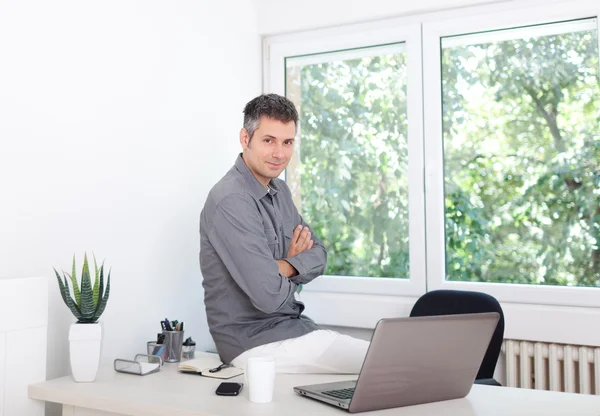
(85, 343)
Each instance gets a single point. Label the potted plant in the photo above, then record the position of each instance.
(85, 336)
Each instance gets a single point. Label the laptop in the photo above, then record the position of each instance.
(413, 361)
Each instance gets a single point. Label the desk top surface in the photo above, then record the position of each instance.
(176, 394)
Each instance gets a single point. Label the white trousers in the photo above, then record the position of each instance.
(321, 351)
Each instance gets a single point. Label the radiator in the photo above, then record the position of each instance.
(556, 367)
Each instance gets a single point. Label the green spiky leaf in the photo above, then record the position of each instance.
(102, 304)
(71, 303)
(64, 292)
(100, 291)
(73, 277)
(95, 291)
(87, 300)
(61, 286)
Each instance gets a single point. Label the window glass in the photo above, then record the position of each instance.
(521, 117)
(349, 174)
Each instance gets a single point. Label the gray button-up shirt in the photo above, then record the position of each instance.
(244, 229)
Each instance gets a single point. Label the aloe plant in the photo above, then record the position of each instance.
(90, 301)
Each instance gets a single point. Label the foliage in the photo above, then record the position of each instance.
(353, 163)
(89, 302)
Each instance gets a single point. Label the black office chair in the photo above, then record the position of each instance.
(454, 302)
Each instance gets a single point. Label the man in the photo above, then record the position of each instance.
(255, 250)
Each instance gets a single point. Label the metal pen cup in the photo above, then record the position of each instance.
(173, 342)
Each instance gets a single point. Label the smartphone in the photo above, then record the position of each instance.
(229, 389)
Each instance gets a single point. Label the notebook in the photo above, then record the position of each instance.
(209, 365)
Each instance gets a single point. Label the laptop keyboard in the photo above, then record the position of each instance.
(341, 393)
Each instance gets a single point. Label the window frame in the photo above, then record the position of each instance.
(433, 32)
(277, 49)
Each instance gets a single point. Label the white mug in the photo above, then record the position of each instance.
(260, 377)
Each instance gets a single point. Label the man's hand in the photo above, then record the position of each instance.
(301, 241)
(286, 269)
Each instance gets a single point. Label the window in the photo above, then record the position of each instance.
(512, 143)
(349, 176)
(357, 171)
(522, 155)
(486, 123)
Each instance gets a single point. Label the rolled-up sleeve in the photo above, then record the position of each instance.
(238, 236)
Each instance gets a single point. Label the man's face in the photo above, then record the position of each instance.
(270, 150)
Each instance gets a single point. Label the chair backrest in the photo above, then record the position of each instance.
(453, 302)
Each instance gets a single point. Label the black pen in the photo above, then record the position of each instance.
(219, 368)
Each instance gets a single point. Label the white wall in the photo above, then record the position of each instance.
(116, 118)
(282, 16)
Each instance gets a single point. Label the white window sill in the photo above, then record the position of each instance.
(546, 323)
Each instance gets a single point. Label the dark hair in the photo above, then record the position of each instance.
(272, 106)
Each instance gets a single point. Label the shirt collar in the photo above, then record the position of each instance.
(256, 188)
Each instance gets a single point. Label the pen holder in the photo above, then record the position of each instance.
(173, 342)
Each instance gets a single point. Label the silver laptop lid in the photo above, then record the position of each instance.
(422, 359)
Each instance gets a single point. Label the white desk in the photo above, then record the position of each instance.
(174, 394)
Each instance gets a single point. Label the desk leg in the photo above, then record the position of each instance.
(80, 411)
